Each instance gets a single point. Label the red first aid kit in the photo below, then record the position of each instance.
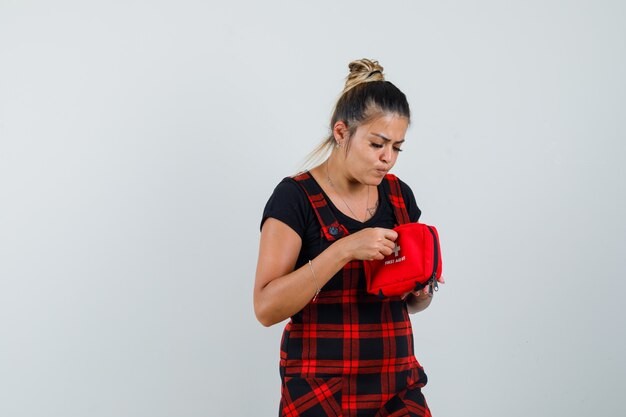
(414, 263)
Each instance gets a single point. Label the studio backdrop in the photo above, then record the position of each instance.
(140, 141)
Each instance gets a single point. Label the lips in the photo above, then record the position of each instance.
(381, 172)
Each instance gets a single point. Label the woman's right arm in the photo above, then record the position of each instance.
(280, 291)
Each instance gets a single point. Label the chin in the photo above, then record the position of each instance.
(375, 180)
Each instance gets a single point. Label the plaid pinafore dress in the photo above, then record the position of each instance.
(350, 353)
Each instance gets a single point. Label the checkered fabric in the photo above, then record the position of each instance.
(350, 353)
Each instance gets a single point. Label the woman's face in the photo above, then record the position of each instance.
(374, 148)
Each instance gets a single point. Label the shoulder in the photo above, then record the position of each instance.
(289, 187)
(404, 187)
(289, 204)
(409, 199)
(406, 190)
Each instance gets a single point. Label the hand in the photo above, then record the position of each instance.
(419, 294)
(426, 292)
(371, 243)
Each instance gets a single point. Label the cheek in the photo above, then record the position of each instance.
(363, 154)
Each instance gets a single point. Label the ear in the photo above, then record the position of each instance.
(341, 132)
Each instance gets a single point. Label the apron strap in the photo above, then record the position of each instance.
(394, 192)
(331, 228)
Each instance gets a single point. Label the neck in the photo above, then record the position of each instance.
(354, 195)
(340, 179)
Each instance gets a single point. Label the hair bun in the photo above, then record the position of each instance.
(362, 71)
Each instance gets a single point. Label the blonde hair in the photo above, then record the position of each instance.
(365, 95)
(363, 71)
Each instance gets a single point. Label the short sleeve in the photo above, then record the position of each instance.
(289, 204)
(409, 200)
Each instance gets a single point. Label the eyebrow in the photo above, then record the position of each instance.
(383, 137)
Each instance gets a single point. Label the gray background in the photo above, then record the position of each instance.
(140, 140)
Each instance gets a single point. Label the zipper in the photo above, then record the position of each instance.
(434, 285)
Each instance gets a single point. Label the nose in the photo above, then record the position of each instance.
(385, 154)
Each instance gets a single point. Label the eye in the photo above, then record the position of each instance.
(380, 146)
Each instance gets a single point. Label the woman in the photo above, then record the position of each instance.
(344, 351)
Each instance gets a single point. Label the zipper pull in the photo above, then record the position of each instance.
(434, 285)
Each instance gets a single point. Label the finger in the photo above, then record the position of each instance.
(378, 256)
(391, 234)
(385, 233)
(386, 250)
(389, 243)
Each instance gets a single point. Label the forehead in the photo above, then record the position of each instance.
(390, 126)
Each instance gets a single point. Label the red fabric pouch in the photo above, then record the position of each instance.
(415, 263)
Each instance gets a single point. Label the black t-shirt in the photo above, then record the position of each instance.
(290, 204)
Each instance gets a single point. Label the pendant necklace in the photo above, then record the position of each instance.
(368, 210)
